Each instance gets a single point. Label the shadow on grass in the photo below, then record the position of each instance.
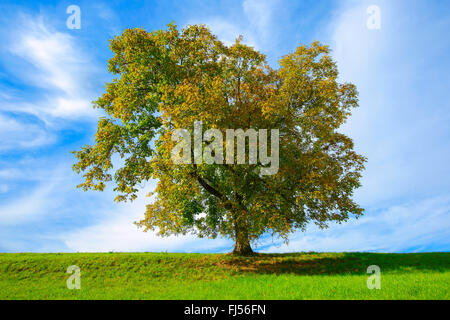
(338, 263)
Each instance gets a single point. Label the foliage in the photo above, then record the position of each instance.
(167, 79)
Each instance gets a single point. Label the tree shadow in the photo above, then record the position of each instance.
(310, 263)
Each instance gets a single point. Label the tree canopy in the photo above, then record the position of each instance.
(169, 79)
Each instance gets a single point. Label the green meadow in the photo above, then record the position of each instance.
(222, 276)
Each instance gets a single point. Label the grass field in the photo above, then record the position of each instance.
(219, 276)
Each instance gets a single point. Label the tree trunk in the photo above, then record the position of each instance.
(242, 243)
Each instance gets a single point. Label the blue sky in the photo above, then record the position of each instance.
(49, 74)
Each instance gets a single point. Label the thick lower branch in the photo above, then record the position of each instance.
(226, 203)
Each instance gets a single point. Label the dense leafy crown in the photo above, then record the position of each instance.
(169, 78)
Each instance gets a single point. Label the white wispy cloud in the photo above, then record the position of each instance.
(416, 225)
(54, 63)
(260, 13)
(15, 134)
(118, 233)
(38, 192)
(255, 27)
(228, 32)
(4, 188)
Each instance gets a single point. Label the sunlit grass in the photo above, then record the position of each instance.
(219, 276)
